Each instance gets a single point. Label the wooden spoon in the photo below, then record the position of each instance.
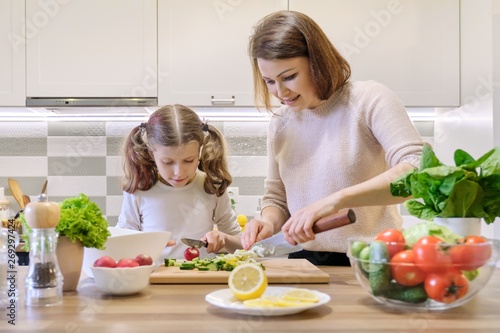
(16, 192)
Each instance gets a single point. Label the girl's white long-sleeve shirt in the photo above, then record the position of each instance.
(187, 211)
(355, 135)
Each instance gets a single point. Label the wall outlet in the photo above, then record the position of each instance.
(234, 194)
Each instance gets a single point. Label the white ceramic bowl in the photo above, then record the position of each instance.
(122, 280)
(125, 243)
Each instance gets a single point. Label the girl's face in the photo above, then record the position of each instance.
(177, 165)
(290, 81)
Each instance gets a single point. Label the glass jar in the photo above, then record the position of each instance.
(44, 281)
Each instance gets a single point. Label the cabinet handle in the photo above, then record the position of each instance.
(217, 101)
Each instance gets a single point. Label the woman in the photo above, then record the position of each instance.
(334, 144)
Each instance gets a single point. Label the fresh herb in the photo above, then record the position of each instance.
(471, 188)
(81, 219)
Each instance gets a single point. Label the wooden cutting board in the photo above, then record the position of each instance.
(277, 271)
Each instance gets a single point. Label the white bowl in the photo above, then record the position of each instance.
(122, 280)
(126, 243)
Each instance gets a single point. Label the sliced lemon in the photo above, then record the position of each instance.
(284, 303)
(261, 302)
(300, 295)
(247, 281)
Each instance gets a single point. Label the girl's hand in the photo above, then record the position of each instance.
(255, 231)
(216, 241)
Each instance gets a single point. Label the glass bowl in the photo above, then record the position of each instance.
(450, 275)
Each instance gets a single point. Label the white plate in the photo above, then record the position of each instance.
(225, 299)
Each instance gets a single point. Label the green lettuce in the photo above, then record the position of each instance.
(471, 188)
(427, 228)
(81, 219)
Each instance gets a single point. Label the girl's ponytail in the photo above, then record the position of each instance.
(140, 171)
(213, 161)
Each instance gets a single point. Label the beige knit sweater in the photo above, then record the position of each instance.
(355, 135)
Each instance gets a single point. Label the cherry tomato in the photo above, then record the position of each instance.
(404, 270)
(394, 240)
(472, 254)
(431, 255)
(446, 287)
(191, 252)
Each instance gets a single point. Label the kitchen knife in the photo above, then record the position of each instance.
(194, 242)
(277, 245)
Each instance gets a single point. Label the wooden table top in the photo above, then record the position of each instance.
(182, 308)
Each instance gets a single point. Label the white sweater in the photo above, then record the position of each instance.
(355, 135)
(186, 212)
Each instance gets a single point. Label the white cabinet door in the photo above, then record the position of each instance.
(411, 46)
(12, 49)
(202, 50)
(91, 48)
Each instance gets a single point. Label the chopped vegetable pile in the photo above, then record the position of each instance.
(221, 262)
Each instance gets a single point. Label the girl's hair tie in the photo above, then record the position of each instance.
(204, 127)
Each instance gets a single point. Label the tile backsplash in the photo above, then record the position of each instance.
(84, 157)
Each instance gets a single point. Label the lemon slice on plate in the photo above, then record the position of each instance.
(262, 302)
(300, 295)
(247, 281)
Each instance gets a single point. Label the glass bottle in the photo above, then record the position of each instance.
(44, 281)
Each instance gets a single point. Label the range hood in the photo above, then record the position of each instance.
(91, 102)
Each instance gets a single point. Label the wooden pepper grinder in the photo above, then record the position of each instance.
(44, 282)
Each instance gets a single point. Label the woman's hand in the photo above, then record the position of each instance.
(255, 231)
(298, 228)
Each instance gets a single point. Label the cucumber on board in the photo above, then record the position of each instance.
(379, 268)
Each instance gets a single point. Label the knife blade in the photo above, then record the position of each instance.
(276, 245)
(194, 242)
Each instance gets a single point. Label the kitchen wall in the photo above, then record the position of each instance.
(84, 157)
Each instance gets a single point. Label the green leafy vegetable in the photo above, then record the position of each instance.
(471, 188)
(414, 233)
(81, 219)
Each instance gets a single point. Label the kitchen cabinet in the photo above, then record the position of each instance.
(202, 50)
(91, 48)
(12, 49)
(410, 46)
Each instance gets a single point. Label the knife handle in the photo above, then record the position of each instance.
(339, 219)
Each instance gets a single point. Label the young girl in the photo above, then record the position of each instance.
(176, 176)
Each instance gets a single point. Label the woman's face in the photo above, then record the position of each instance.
(290, 81)
(177, 165)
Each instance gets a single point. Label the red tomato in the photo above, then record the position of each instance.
(431, 255)
(472, 254)
(404, 270)
(144, 259)
(446, 287)
(105, 261)
(191, 252)
(394, 240)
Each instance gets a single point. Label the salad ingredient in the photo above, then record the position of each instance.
(404, 270)
(414, 233)
(191, 252)
(127, 262)
(430, 255)
(143, 259)
(473, 253)
(446, 287)
(379, 270)
(105, 261)
(471, 188)
(394, 240)
(247, 281)
(415, 294)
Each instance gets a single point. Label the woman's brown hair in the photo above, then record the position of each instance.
(289, 34)
(172, 126)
